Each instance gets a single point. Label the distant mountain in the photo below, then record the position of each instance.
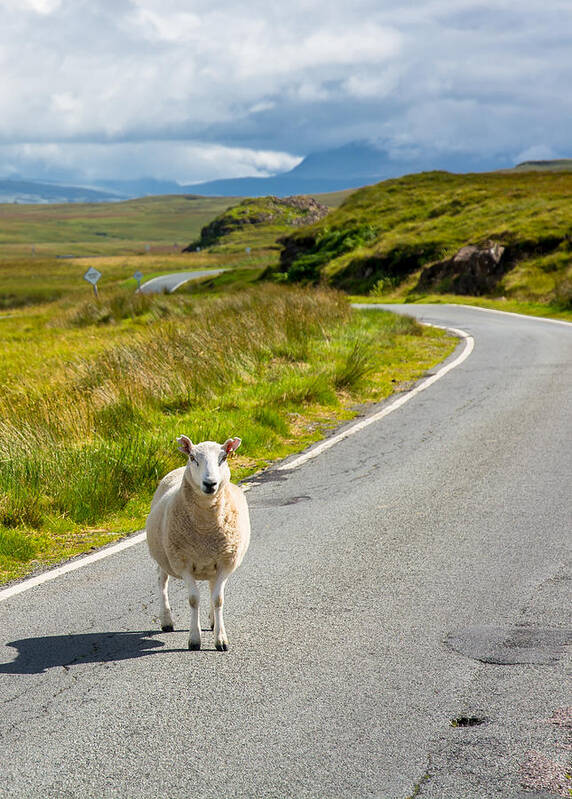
(142, 187)
(282, 185)
(29, 191)
(353, 165)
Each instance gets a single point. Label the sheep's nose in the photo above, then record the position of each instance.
(209, 486)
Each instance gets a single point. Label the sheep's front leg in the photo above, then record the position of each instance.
(217, 602)
(194, 600)
(165, 615)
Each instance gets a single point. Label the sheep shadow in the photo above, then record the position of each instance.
(37, 655)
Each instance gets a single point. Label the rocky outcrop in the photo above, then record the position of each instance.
(284, 212)
(474, 269)
(310, 210)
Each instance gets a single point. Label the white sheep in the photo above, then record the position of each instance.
(198, 528)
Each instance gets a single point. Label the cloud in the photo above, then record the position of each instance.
(181, 162)
(136, 76)
(38, 6)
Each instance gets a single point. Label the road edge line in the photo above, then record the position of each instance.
(512, 313)
(70, 566)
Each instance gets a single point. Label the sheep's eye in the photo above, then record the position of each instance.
(222, 458)
(193, 459)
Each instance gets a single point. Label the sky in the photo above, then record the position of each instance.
(193, 90)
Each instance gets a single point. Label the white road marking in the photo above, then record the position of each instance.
(86, 560)
(513, 313)
(82, 560)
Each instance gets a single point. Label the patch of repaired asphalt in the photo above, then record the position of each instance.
(508, 646)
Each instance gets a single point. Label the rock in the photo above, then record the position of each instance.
(474, 269)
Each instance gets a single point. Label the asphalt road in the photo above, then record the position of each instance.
(412, 574)
(170, 283)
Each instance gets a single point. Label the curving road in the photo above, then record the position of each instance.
(167, 284)
(413, 574)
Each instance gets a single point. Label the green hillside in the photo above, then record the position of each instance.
(555, 165)
(259, 221)
(383, 237)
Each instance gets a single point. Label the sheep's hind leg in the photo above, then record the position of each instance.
(211, 607)
(217, 602)
(165, 615)
(194, 600)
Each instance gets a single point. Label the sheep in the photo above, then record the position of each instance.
(198, 528)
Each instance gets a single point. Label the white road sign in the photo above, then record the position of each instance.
(92, 275)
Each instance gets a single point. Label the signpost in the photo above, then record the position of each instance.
(247, 250)
(92, 276)
(138, 275)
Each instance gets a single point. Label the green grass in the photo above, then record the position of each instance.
(29, 280)
(90, 405)
(114, 238)
(382, 236)
(165, 224)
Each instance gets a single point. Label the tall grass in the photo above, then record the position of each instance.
(82, 448)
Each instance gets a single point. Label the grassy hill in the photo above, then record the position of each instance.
(260, 221)
(383, 236)
(555, 165)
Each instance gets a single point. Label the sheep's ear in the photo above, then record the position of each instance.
(231, 444)
(185, 445)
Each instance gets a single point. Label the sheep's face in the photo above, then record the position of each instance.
(207, 468)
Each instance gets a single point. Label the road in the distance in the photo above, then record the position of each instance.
(412, 574)
(171, 282)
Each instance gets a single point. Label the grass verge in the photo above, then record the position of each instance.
(89, 409)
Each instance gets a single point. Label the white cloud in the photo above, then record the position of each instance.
(159, 26)
(39, 6)
(258, 108)
(182, 162)
(372, 84)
